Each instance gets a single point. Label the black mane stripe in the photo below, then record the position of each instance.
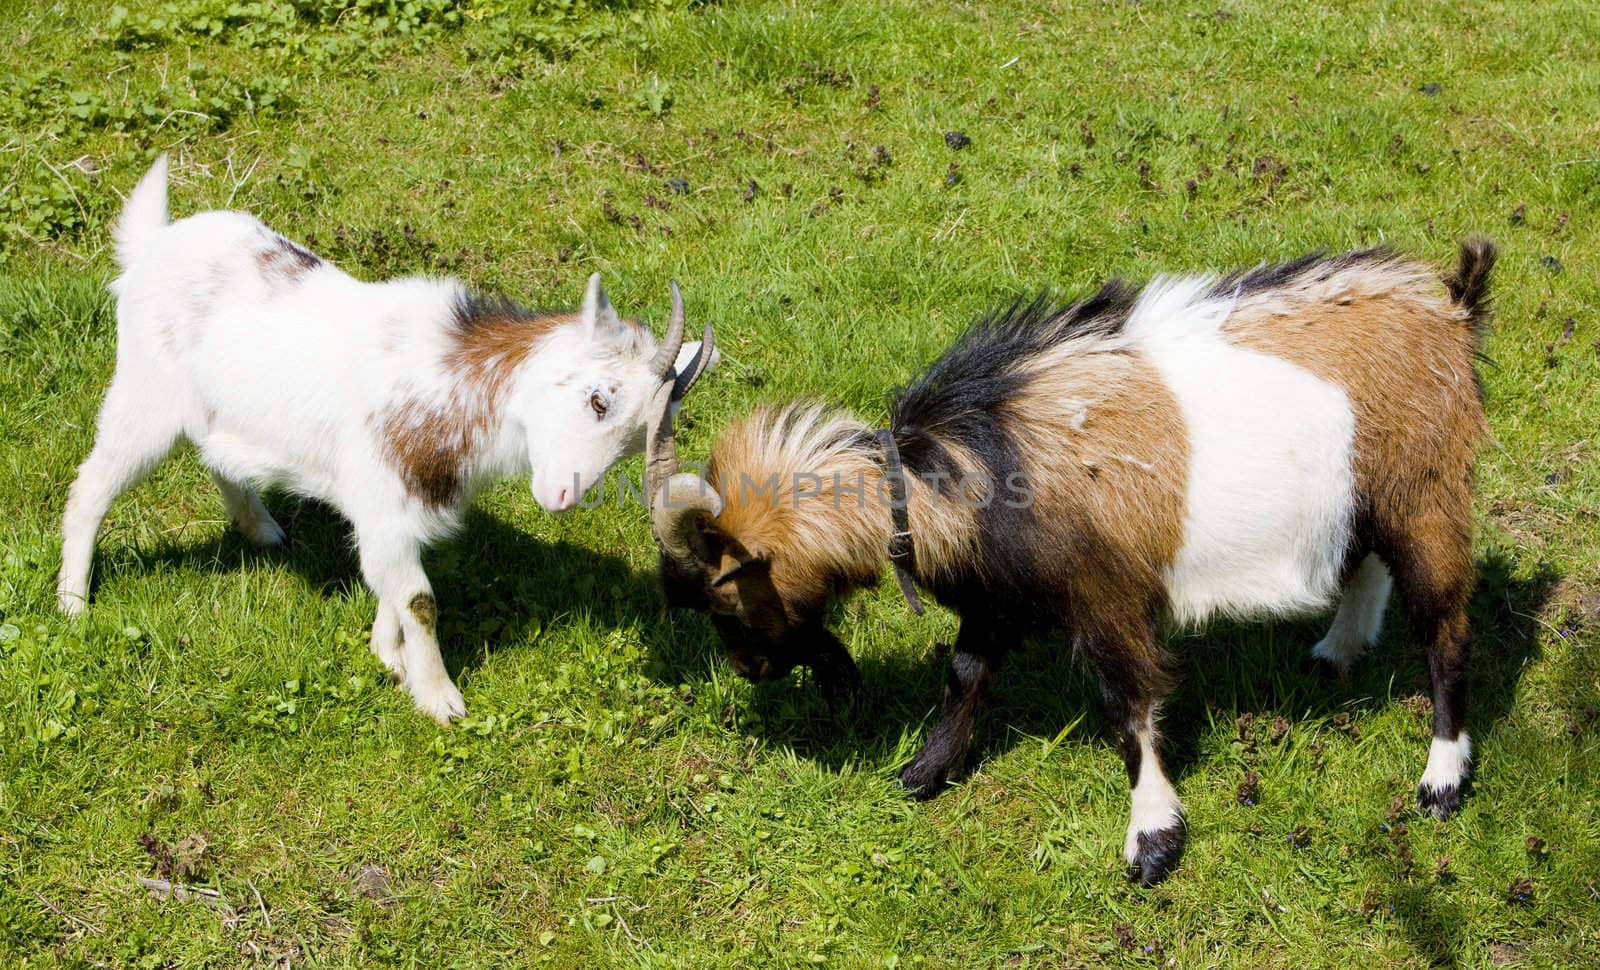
(472, 309)
(958, 395)
(1318, 265)
(957, 401)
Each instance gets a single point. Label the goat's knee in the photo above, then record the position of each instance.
(426, 678)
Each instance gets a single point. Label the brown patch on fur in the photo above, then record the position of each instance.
(1388, 334)
(284, 260)
(1102, 441)
(429, 446)
(489, 346)
(944, 528)
(431, 443)
(424, 610)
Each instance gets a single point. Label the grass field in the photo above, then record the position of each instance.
(619, 798)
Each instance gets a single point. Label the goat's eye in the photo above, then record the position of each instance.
(599, 404)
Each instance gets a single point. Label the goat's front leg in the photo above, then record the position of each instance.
(394, 571)
(976, 657)
(1128, 662)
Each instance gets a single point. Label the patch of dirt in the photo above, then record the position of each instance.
(1248, 790)
(371, 880)
(192, 860)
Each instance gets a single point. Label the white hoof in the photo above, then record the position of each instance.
(69, 603)
(440, 701)
(264, 532)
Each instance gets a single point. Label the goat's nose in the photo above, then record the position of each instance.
(561, 499)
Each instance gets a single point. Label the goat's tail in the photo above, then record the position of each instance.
(144, 215)
(1469, 282)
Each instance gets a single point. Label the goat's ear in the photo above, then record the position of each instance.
(599, 316)
(741, 565)
(687, 354)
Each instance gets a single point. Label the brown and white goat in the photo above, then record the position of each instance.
(394, 402)
(1261, 445)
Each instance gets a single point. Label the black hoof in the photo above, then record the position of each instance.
(1441, 803)
(837, 678)
(1323, 672)
(924, 780)
(1157, 855)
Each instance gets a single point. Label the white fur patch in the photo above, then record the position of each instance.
(1360, 617)
(1271, 489)
(1447, 762)
(1155, 803)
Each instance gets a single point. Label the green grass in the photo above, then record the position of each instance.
(619, 797)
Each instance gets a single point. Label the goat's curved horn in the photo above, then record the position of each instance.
(677, 501)
(675, 518)
(673, 341)
(694, 368)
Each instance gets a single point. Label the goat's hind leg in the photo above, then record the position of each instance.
(1433, 565)
(249, 515)
(1359, 619)
(135, 433)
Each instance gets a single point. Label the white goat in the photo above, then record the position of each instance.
(394, 402)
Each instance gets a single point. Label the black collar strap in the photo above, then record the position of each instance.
(901, 551)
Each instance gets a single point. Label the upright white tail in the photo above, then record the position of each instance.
(144, 215)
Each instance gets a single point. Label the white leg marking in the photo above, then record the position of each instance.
(1360, 617)
(1156, 806)
(251, 518)
(1447, 763)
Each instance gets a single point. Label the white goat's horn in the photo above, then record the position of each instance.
(673, 341)
(677, 501)
(691, 371)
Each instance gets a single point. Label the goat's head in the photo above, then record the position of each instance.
(762, 562)
(604, 377)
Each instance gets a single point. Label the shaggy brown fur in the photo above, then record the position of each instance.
(1062, 399)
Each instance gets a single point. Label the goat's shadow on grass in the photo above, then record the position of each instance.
(1222, 672)
(495, 584)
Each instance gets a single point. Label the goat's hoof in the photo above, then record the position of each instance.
(71, 604)
(924, 781)
(1330, 666)
(1155, 854)
(440, 702)
(266, 534)
(1441, 803)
